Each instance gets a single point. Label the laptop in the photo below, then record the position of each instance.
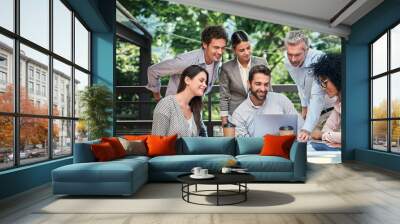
(270, 123)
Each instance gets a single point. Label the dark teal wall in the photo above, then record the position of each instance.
(99, 16)
(103, 51)
(379, 159)
(356, 98)
(24, 178)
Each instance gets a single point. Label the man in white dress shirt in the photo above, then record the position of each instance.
(314, 101)
(259, 101)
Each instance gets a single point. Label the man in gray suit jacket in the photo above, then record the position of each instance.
(214, 39)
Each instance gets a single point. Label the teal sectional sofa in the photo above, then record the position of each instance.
(125, 176)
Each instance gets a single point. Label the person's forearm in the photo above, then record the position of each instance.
(157, 96)
(333, 137)
(153, 79)
(313, 113)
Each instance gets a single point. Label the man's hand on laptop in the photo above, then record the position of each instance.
(303, 136)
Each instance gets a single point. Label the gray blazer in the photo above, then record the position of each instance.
(232, 90)
(174, 68)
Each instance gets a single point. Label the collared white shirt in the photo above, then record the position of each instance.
(311, 94)
(210, 69)
(244, 72)
(275, 103)
(192, 126)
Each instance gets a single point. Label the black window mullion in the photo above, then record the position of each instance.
(16, 84)
(50, 81)
(389, 139)
(73, 81)
(371, 89)
(89, 52)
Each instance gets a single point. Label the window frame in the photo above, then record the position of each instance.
(15, 72)
(388, 74)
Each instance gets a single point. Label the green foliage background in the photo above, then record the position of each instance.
(176, 29)
(96, 101)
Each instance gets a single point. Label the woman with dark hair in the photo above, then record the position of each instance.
(234, 74)
(181, 113)
(327, 70)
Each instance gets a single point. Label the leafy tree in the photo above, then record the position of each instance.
(33, 130)
(127, 60)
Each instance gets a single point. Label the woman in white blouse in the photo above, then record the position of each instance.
(181, 113)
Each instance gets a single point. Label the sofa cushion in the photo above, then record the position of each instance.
(257, 163)
(249, 145)
(185, 163)
(112, 171)
(128, 159)
(210, 145)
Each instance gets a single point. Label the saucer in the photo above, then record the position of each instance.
(208, 176)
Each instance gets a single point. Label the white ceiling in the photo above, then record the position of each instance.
(317, 15)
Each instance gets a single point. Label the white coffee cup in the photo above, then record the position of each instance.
(226, 170)
(203, 172)
(196, 171)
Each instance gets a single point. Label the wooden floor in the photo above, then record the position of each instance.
(378, 189)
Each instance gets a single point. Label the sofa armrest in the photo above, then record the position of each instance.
(83, 152)
(298, 155)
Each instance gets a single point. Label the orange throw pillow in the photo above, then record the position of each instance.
(161, 145)
(116, 145)
(277, 145)
(103, 152)
(135, 137)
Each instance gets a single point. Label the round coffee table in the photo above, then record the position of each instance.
(238, 179)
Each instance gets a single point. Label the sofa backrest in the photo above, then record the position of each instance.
(249, 145)
(83, 152)
(210, 145)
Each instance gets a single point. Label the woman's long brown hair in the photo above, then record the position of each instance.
(196, 104)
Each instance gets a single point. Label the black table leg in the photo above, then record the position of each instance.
(245, 193)
(220, 193)
(217, 194)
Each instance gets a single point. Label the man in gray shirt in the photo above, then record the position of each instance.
(213, 42)
(260, 101)
(314, 102)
